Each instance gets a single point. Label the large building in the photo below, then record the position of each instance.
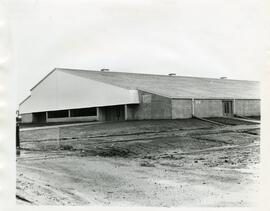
(81, 95)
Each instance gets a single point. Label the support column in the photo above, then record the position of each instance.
(100, 114)
(193, 106)
(129, 112)
(233, 107)
(126, 112)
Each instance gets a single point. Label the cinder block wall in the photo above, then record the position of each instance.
(27, 118)
(208, 108)
(181, 108)
(247, 107)
(161, 107)
(73, 119)
(153, 106)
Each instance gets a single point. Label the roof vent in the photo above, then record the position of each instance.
(104, 70)
(172, 74)
(223, 78)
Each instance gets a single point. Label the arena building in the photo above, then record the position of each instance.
(67, 95)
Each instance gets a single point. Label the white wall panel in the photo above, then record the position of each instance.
(65, 91)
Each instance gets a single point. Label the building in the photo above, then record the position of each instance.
(80, 95)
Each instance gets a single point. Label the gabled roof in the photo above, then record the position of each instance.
(175, 86)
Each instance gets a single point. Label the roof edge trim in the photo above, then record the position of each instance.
(46, 76)
(24, 100)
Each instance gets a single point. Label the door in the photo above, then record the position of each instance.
(227, 107)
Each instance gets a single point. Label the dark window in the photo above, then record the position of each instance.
(58, 114)
(83, 112)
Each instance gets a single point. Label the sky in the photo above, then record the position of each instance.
(205, 38)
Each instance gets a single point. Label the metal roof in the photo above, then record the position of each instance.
(175, 86)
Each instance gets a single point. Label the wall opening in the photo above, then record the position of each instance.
(58, 114)
(39, 117)
(114, 113)
(83, 112)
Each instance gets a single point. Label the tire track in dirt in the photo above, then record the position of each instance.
(88, 143)
(60, 196)
(216, 149)
(151, 134)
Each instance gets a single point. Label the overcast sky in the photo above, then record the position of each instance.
(207, 38)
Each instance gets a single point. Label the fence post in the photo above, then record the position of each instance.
(18, 135)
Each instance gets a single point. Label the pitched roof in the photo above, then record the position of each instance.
(175, 86)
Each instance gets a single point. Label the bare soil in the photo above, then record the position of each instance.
(143, 163)
(230, 121)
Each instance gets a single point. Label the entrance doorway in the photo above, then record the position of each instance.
(227, 108)
(115, 113)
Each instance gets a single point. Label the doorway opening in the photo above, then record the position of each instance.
(115, 113)
(227, 108)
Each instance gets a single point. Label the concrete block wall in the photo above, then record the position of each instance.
(181, 108)
(27, 118)
(152, 106)
(208, 108)
(73, 119)
(143, 111)
(247, 107)
(161, 107)
(129, 111)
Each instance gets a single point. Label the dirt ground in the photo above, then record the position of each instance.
(141, 163)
